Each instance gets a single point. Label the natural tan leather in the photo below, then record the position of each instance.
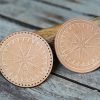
(77, 45)
(26, 59)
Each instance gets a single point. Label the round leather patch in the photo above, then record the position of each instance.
(26, 59)
(77, 45)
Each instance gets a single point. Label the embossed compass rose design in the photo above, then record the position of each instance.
(26, 59)
(78, 45)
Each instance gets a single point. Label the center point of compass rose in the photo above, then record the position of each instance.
(24, 59)
(81, 44)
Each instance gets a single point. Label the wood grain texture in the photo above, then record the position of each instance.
(90, 79)
(38, 13)
(49, 34)
(23, 15)
(81, 7)
(54, 88)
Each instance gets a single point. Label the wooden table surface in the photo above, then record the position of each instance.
(62, 84)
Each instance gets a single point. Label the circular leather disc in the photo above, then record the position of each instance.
(26, 59)
(77, 45)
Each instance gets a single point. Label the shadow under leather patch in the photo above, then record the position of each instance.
(77, 45)
(26, 59)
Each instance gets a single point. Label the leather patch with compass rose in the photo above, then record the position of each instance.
(77, 45)
(25, 59)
